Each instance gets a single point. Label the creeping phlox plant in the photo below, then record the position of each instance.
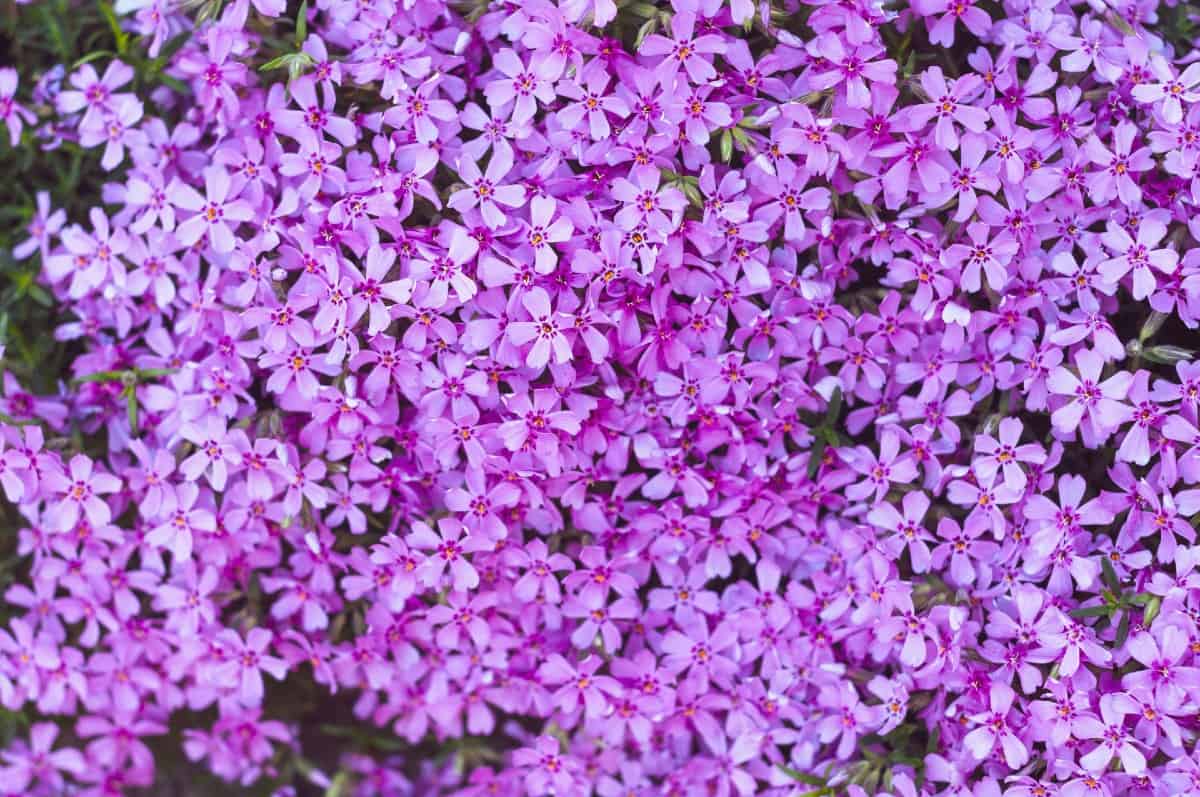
(601, 398)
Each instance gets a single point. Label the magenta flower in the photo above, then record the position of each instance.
(879, 473)
(1118, 166)
(181, 521)
(946, 105)
(79, 489)
(40, 764)
(941, 32)
(645, 202)
(849, 69)
(217, 212)
(1114, 739)
(1171, 91)
(995, 728)
(1137, 256)
(448, 551)
(547, 770)
(485, 189)
(214, 453)
(523, 85)
(95, 95)
(248, 660)
(1161, 654)
(699, 652)
(846, 719)
(15, 115)
(545, 328)
(684, 50)
(1094, 406)
(1003, 454)
(579, 685)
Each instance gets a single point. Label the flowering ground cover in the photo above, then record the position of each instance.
(599, 397)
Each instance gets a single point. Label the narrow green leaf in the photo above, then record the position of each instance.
(39, 295)
(1168, 355)
(87, 59)
(1151, 612)
(302, 25)
(1122, 630)
(1110, 575)
(276, 63)
(101, 376)
(119, 34)
(154, 373)
(803, 777)
(815, 458)
(175, 84)
(835, 406)
(173, 45)
(645, 30)
(1152, 325)
(1090, 611)
(338, 786)
(131, 409)
(726, 145)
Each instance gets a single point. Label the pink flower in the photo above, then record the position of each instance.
(217, 213)
(80, 489)
(485, 189)
(1094, 406)
(995, 728)
(248, 660)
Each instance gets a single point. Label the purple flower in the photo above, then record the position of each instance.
(15, 115)
(485, 189)
(1094, 405)
(1137, 256)
(684, 49)
(1118, 166)
(248, 660)
(38, 763)
(217, 212)
(523, 85)
(995, 728)
(1160, 654)
(79, 490)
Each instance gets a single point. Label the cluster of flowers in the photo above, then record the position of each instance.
(620, 399)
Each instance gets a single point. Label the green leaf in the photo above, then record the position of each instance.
(803, 777)
(726, 145)
(302, 25)
(101, 376)
(39, 295)
(1091, 611)
(121, 37)
(1110, 575)
(1168, 355)
(1151, 611)
(295, 63)
(131, 408)
(173, 45)
(175, 84)
(338, 786)
(835, 406)
(87, 59)
(1151, 326)
(815, 458)
(276, 63)
(645, 30)
(1122, 630)
(154, 373)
